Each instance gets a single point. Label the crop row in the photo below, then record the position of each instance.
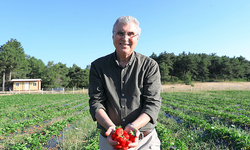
(36, 112)
(39, 140)
(220, 101)
(212, 105)
(26, 101)
(52, 115)
(38, 121)
(216, 131)
(236, 119)
(226, 108)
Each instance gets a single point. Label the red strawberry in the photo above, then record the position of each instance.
(118, 146)
(125, 133)
(119, 131)
(128, 142)
(131, 136)
(114, 136)
(122, 140)
(125, 148)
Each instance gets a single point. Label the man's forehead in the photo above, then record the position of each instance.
(131, 27)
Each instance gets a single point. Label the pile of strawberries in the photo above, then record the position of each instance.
(123, 138)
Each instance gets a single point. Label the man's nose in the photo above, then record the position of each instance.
(125, 37)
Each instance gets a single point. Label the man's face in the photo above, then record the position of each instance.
(125, 38)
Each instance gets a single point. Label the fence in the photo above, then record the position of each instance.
(50, 91)
(165, 88)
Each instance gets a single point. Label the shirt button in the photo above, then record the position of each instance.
(122, 81)
(123, 106)
(123, 119)
(122, 94)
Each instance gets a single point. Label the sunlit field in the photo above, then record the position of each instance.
(187, 120)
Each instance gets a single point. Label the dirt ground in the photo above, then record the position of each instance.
(207, 86)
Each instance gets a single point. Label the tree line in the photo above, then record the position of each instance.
(15, 64)
(202, 67)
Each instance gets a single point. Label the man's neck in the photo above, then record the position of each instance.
(124, 59)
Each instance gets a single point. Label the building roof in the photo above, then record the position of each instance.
(23, 80)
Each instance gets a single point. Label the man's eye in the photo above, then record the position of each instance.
(131, 34)
(120, 33)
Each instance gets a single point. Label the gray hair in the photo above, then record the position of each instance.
(127, 20)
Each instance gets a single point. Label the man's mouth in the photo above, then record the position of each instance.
(125, 44)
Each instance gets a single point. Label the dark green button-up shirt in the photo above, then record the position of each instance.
(125, 93)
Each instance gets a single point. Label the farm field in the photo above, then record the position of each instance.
(187, 120)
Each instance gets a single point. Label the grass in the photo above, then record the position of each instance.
(192, 138)
(82, 131)
(195, 136)
(72, 127)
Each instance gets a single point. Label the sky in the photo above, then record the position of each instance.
(80, 31)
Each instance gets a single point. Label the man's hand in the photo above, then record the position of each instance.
(108, 133)
(130, 127)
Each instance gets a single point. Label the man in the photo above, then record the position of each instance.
(124, 90)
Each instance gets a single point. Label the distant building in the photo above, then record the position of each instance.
(26, 84)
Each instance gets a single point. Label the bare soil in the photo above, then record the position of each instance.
(207, 86)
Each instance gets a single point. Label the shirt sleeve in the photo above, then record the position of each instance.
(96, 92)
(151, 92)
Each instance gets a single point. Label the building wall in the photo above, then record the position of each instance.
(32, 85)
(17, 88)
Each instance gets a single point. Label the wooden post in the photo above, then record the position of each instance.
(3, 79)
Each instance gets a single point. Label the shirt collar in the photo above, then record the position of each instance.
(132, 58)
(130, 61)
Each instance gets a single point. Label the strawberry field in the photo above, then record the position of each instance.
(187, 120)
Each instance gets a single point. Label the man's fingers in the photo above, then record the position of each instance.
(111, 141)
(109, 131)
